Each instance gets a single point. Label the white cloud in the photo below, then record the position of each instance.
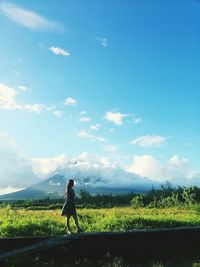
(15, 169)
(28, 18)
(59, 51)
(38, 108)
(84, 119)
(102, 41)
(70, 101)
(176, 170)
(95, 127)
(149, 141)
(58, 113)
(115, 117)
(23, 87)
(88, 169)
(146, 165)
(51, 108)
(43, 166)
(83, 113)
(86, 135)
(17, 172)
(8, 101)
(7, 97)
(105, 161)
(83, 134)
(9, 189)
(54, 111)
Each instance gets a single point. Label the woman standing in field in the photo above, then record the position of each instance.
(69, 208)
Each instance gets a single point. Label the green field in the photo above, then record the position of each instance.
(22, 222)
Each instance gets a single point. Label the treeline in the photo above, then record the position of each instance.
(87, 200)
(166, 196)
(34, 204)
(83, 200)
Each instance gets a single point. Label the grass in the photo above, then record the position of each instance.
(23, 222)
(106, 261)
(49, 222)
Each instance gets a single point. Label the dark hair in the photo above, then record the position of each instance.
(69, 185)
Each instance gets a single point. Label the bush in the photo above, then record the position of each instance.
(137, 201)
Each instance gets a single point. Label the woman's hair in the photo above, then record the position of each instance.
(69, 185)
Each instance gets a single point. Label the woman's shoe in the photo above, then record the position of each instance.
(69, 231)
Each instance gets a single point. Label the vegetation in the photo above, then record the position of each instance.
(166, 196)
(167, 207)
(23, 222)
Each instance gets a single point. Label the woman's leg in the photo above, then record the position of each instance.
(68, 220)
(76, 222)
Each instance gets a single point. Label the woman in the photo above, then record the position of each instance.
(69, 208)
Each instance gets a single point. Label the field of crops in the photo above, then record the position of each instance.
(21, 222)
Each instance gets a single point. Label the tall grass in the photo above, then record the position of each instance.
(49, 222)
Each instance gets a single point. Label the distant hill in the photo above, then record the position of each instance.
(54, 187)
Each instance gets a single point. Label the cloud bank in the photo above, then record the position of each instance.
(96, 171)
(177, 170)
(90, 170)
(17, 171)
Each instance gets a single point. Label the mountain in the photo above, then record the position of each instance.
(54, 187)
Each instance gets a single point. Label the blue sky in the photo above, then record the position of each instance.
(114, 79)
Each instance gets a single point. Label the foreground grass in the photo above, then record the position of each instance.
(105, 261)
(49, 222)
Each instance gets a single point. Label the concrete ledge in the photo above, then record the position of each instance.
(142, 243)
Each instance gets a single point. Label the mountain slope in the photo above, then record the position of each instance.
(54, 187)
